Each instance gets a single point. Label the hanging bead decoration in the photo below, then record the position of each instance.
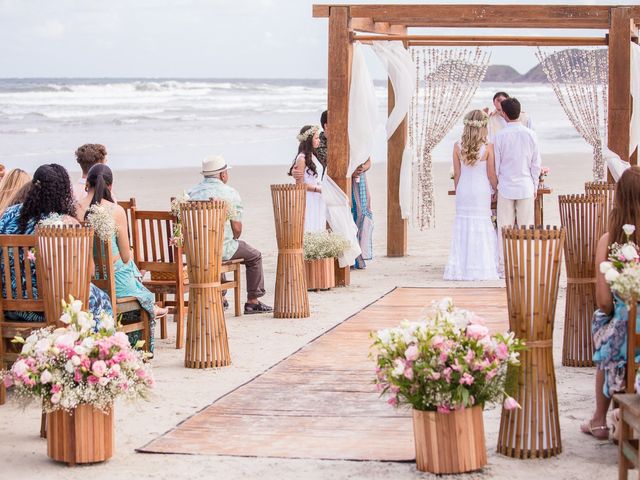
(579, 79)
(446, 80)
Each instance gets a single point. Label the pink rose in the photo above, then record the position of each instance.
(437, 341)
(99, 368)
(8, 381)
(56, 388)
(408, 373)
(55, 398)
(393, 401)
(510, 403)
(466, 379)
(93, 380)
(412, 353)
(477, 331)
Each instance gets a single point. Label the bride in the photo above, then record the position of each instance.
(474, 252)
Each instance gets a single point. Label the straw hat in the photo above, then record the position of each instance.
(214, 164)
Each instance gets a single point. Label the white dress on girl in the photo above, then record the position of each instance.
(315, 215)
(474, 242)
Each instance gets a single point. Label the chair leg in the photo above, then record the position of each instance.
(237, 292)
(163, 327)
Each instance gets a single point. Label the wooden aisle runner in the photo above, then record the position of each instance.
(320, 402)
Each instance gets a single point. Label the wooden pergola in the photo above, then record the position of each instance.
(366, 23)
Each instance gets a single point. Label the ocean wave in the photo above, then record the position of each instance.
(19, 131)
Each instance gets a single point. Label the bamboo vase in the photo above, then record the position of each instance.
(449, 442)
(83, 436)
(320, 274)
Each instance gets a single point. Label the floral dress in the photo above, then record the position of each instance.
(610, 339)
(98, 299)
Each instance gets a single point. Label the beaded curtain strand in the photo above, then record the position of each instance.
(446, 80)
(579, 79)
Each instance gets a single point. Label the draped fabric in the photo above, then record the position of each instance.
(340, 219)
(401, 71)
(615, 164)
(634, 131)
(363, 111)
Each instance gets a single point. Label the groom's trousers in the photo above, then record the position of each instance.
(509, 212)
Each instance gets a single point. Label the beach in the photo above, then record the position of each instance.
(259, 342)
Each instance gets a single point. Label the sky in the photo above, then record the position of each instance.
(191, 38)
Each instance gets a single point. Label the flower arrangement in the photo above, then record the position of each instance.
(103, 223)
(52, 220)
(544, 171)
(622, 269)
(177, 237)
(325, 244)
(86, 362)
(446, 362)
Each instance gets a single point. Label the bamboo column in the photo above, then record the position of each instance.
(581, 217)
(532, 258)
(203, 228)
(291, 299)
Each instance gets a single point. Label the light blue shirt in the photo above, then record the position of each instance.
(215, 188)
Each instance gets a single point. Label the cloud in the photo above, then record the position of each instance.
(51, 28)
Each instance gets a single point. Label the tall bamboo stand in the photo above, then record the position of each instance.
(532, 258)
(582, 217)
(291, 300)
(608, 191)
(203, 228)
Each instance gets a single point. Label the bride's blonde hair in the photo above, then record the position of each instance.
(474, 136)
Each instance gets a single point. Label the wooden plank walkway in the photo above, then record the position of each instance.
(320, 402)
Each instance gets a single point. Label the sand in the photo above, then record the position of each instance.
(257, 342)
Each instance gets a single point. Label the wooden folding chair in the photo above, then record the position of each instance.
(152, 232)
(104, 278)
(65, 255)
(15, 265)
(129, 208)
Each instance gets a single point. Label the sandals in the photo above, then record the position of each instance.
(251, 308)
(600, 432)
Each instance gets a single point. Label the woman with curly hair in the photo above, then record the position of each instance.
(474, 249)
(49, 193)
(308, 170)
(12, 188)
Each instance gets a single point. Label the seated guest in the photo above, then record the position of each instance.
(214, 185)
(87, 156)
(50, 192)
(126, 274)
(12, 188)
(609, 327)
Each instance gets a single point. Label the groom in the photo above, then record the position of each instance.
(517, 161)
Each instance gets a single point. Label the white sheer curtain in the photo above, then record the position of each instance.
(340, 219)
(401, 71)
(634, 131)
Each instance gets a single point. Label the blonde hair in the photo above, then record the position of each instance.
(474, 136)
(10, 185)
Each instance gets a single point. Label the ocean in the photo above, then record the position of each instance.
(172, 123)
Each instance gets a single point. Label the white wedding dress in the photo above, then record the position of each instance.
(474, 243)
(315, 215)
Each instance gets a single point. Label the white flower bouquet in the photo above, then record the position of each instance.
(52, 220)
(103, 223)
(325, 244)
(622, 269)
(83, 363)
(177, 236)
(446, 362)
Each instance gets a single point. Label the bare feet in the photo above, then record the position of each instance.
(159, 311)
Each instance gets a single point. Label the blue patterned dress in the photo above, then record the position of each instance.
(98, 300)
(610, 340)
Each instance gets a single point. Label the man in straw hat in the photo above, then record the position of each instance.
(214, 185)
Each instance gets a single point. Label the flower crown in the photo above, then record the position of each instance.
(310, 132)
(476, 123)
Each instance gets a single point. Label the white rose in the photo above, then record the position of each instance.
(605, 267)
(46, 377)
(89, 343)
(85, 321)
(611, 275)
(76, 306)
(42, 345)
(628, 229)
(19, 368)
(80, 350)
(107, 322)
(65, 318)
(75, 360)
(629, 252)
(67, 340)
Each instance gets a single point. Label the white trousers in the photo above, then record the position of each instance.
(508, 212)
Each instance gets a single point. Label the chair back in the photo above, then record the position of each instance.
(154, 252)
(608, 191)
(103, 276)
(65, 265)
(633, 341)
(129, 209)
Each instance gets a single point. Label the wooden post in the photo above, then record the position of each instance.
(396, 226)
(339, 79)
(620, 81)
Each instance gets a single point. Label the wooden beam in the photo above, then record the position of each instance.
(619, 103)
(339, 79)
(369, 26)
(505, 40)
(486, 16)
(396, 226)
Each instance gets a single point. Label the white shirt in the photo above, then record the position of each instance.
(79, 191)
(517, 161)
(497, 123)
